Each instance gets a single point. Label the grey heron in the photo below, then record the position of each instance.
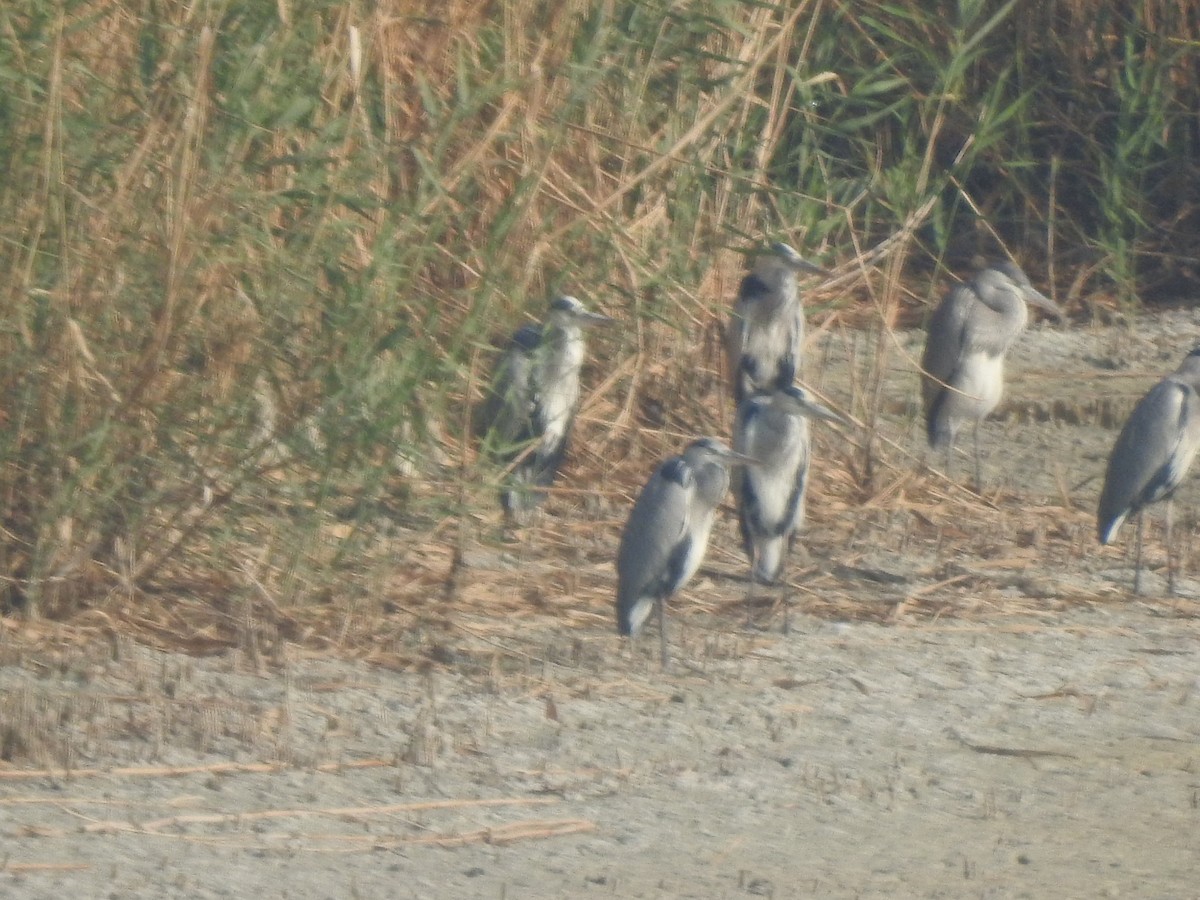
(666, 535)
(529, 411)
(772, 428)
(963, 365)
(766, 331)
(1150, 457)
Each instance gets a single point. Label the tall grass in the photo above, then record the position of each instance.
(255, 253)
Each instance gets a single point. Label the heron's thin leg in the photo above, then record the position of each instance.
(750, 591)
(787, 610)
(1137, 556)
(1171, 561)
(978, 465)
(662, 632)
(781, 583)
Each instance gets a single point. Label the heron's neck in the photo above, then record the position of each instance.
(784, 295)
(712, 482)
(565, 348)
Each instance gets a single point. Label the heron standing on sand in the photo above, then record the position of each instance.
(666, 535)
(772, 429)
(1152, 454)
(963, 365)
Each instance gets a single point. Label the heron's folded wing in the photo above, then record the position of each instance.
(1152, 452)
(657, 523)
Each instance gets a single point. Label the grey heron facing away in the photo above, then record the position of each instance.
(766, 331)
(963, 365)
(772, 429)
(531, 406)
(1150, 457)
(666, 535)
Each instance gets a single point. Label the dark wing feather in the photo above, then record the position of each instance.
(752, 290)
(676, 565)
(743, 487)
(789, 515)
(747, 506)
(944, 348)
(506, 418)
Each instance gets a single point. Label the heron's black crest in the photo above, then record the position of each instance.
(709, 444)
(565, 304)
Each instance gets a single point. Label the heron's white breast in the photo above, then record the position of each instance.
(700, 528)
(560, 388)
(772, 337)
(781, 445)
(981, 380)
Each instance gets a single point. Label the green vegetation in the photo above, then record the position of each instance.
(254, 253)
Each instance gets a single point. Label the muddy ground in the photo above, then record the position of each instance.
(967, 702)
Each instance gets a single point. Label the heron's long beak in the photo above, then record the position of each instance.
(803, 265)
(796, 261)
(815, 410)
(1037, 298)
(734, 456)
(591, 318)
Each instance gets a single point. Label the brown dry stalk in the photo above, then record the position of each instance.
(177, 771)
(27, 868)
(356, 812)
(738, 90)
(996, 750)
(505, 834)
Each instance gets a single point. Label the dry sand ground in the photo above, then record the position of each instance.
(967, 704)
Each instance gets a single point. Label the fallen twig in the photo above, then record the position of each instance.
(995, 750)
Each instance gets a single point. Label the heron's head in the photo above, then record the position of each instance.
(1010, 275)
(710, 449)
(797, 399)
(794, 260)
(569, 309)
(1190, 367)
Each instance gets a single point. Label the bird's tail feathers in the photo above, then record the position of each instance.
(768, 559)
(1106, 528)
(631, 616)
(938, 428)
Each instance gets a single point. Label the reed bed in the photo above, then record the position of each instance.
(258, 259)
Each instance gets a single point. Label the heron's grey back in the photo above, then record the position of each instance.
(1151, 454)
(656, 524)
(508, 410)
